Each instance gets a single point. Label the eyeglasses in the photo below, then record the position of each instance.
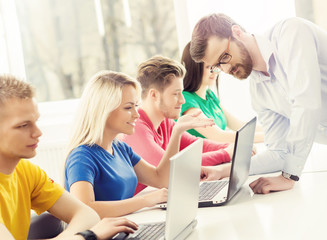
(223, 59)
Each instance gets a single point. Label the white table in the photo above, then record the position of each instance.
(300, 213)
(317, 159)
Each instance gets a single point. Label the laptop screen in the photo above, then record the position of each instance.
(242, 154)
(183, 192)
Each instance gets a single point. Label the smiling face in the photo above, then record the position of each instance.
(123, 118)
(19, 133)
(172, 99)
(240, 66)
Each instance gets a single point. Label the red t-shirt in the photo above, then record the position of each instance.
(151, 144)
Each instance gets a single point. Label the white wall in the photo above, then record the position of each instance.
(56, 120)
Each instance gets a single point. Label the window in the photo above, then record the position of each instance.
(66, 42)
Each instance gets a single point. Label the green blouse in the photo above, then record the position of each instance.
(210, 107)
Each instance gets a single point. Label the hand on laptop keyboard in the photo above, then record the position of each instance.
(108, 227)
(215, 172)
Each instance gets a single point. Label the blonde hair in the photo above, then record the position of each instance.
(12, 87)
(101, 96)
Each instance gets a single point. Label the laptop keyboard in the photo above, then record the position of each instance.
(208, 190)
(149, 231)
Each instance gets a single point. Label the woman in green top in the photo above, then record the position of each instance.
(198, 96)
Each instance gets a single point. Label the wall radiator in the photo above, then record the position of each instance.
(51, 157)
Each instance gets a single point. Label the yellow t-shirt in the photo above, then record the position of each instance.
(28, 187)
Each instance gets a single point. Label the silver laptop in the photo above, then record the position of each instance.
(216, 193)
(180, 214)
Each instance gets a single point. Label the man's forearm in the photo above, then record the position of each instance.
(266, 162)
(84, 219)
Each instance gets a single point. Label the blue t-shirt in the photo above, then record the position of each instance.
(112, 176)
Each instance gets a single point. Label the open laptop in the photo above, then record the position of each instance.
(184, 181)
(216, 193)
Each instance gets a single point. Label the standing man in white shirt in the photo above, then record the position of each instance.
(287, 68)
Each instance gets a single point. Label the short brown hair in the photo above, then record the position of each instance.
(12, 87)
(157, 72)
(217, 24)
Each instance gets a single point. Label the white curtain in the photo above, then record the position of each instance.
(11, 57)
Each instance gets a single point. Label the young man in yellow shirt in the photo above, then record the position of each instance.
(24, 186)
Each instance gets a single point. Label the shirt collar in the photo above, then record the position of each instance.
(266, 50)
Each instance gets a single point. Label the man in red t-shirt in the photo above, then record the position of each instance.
(161, 79)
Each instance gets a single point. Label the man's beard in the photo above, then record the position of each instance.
(245, 68)
(166, 111)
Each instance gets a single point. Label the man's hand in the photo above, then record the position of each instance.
(215, 172)
(109, 227)
(266, 185)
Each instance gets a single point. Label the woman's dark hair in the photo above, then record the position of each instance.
(194, 71)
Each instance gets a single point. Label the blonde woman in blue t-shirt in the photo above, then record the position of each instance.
(197, 96)
(102, 171)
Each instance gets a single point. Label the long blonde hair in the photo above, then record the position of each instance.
(101, 96)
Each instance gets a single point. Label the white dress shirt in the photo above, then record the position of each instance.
(291, 103)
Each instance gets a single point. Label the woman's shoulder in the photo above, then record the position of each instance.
(125, 150)
(122, 146)
(88, 155)
(191, 97)
(84, 150)
(188, 94)
(212, 95)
